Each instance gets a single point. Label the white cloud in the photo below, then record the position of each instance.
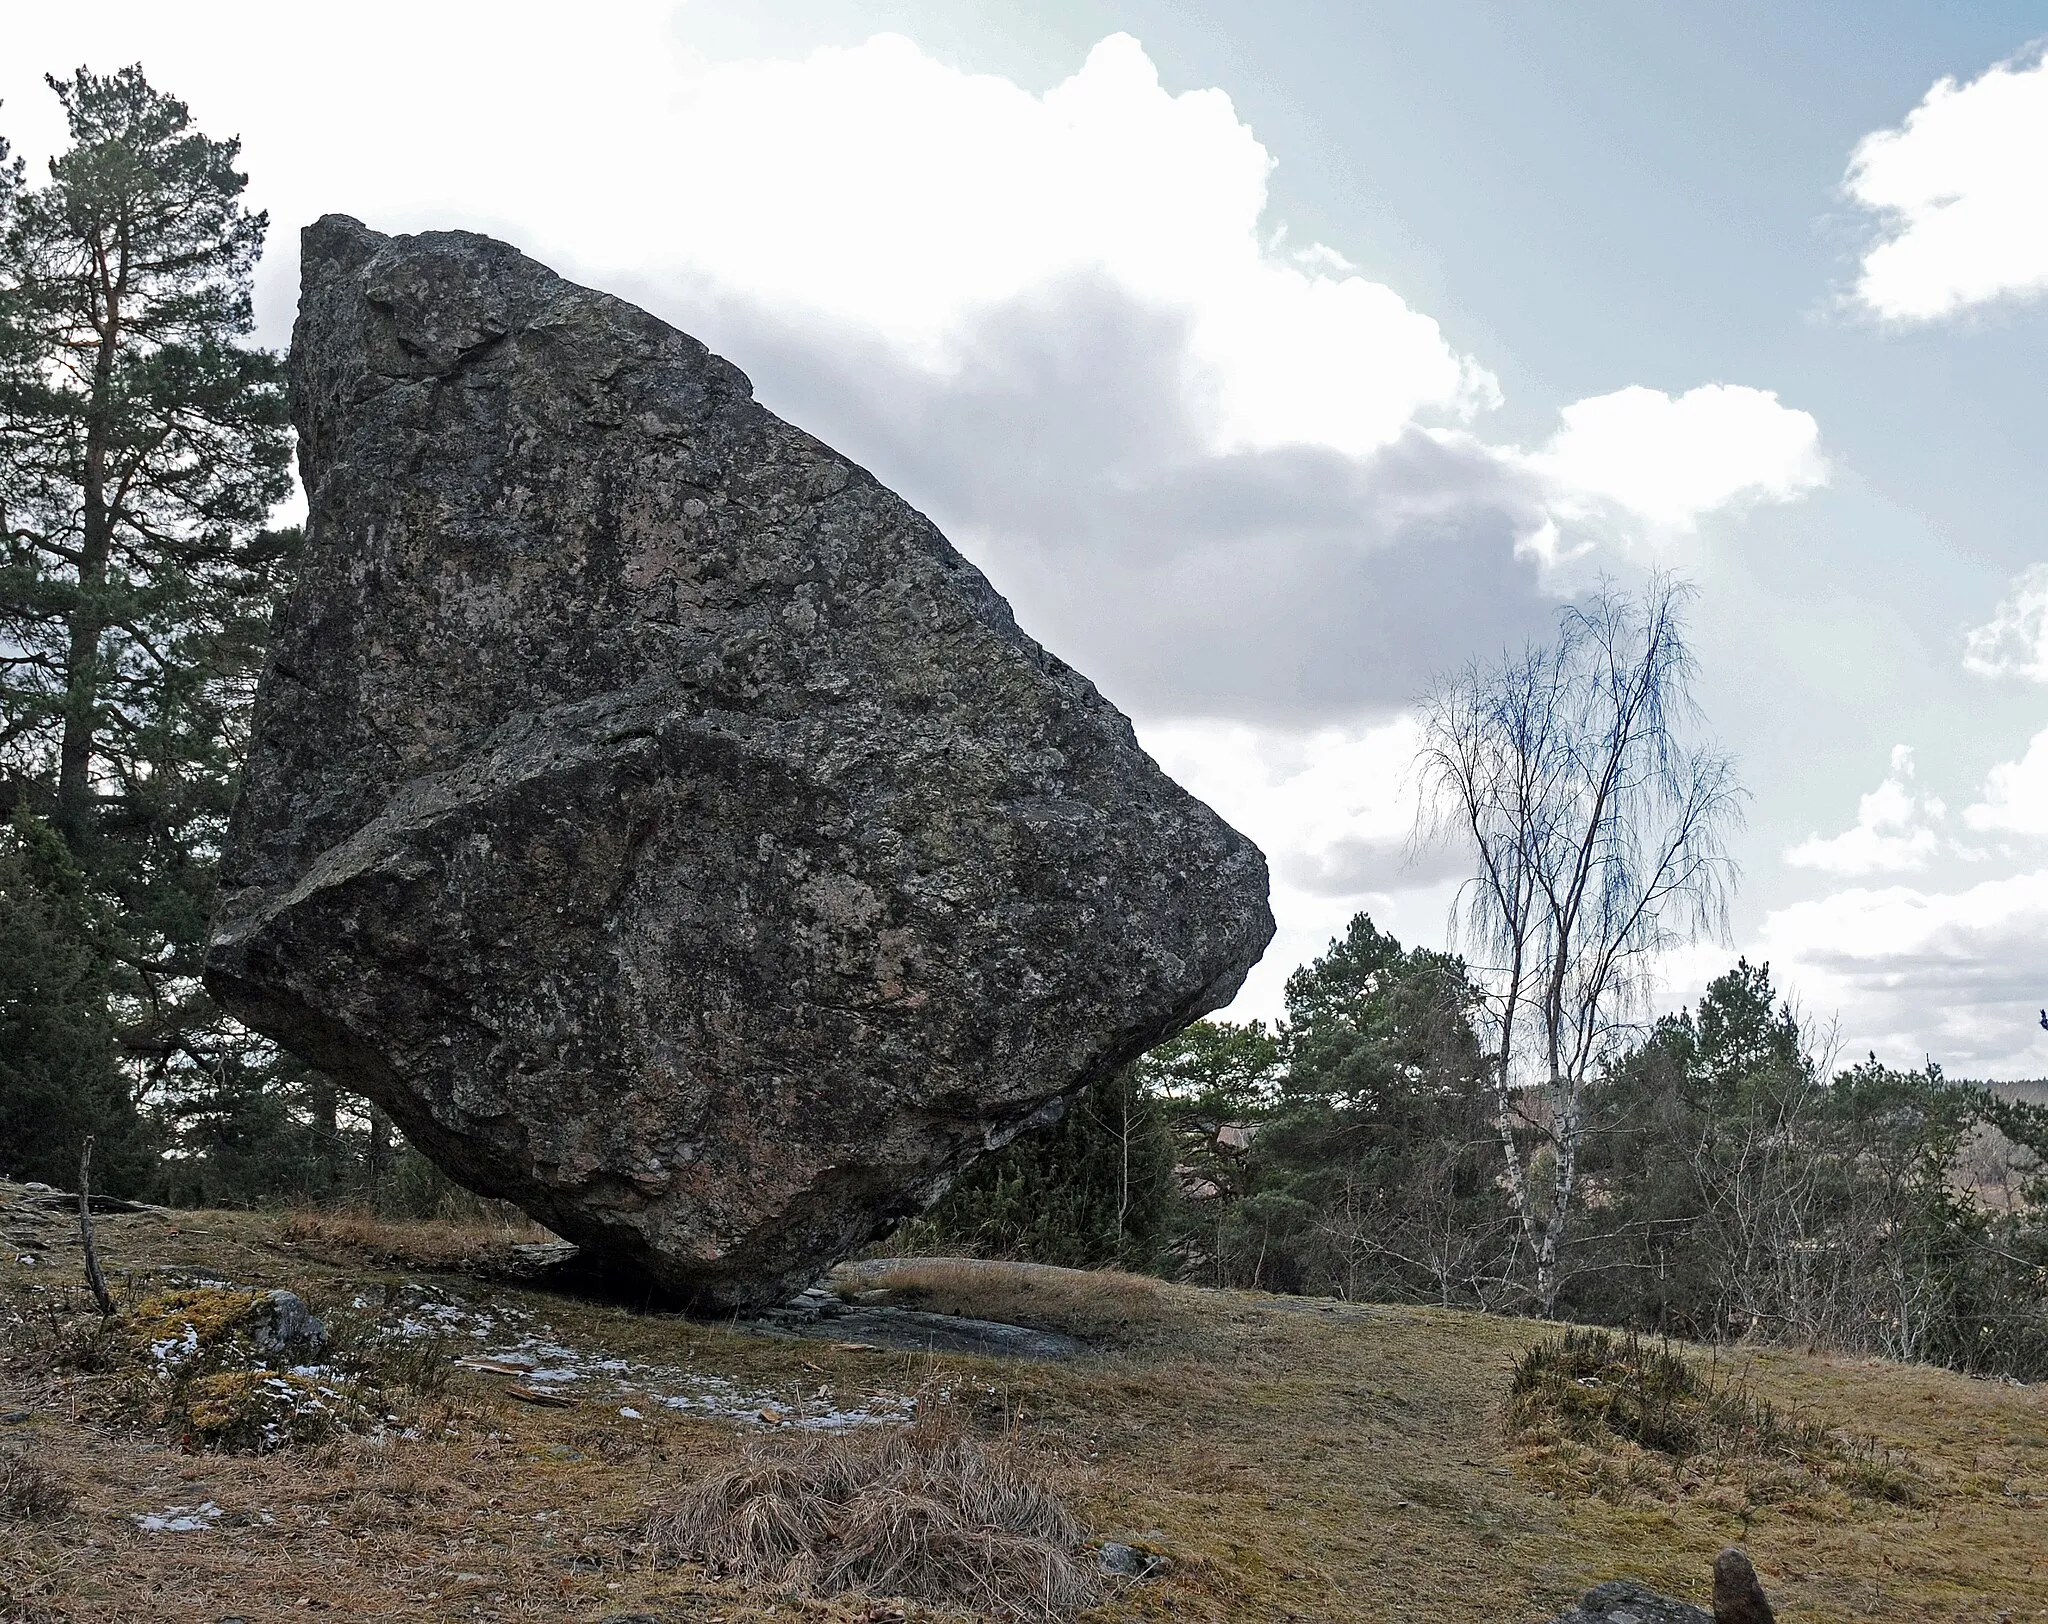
(1956, 975)
(1963, 191)
(2015, 794)
(2014, 641)
(1673, 459)
(1896, 830)
(1332, 809)
(906, 195)
(1238, 483)
(871, 186)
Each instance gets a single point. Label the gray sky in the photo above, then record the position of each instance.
(1273, 356)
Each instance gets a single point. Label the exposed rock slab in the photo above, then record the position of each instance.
(655, 814)
(823, 1316)
(1623, 1601)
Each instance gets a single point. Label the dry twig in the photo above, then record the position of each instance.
(93, 1277)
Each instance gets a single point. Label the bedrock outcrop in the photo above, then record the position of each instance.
(656, 815)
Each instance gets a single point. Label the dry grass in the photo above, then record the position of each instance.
(431, 1245)
(29, 1490)
(1295, 1459)
(925, 1511)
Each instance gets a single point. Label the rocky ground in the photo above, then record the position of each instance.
(477, 1436)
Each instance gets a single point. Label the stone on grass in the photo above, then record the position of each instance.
(280, 1323)
(656, 815)
(1131, 1561)
(1738, 1594)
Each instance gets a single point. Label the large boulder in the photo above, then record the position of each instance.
(656, 815)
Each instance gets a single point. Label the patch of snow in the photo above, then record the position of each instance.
(170, 1351)
(511, 1335)
(178, 1519)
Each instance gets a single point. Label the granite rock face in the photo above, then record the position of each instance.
(656, 815)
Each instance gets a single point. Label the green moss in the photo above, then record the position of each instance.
(199, 1320)
(255, 1411)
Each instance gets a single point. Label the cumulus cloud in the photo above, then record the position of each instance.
(2014, 641)
(1952, 974)
(1336, 805)
(907, 194)
(1333, 808)
(1244, 487)
(1896, 829)
(1673, 458)
(1293, 586)
(2015, 794)
(1962, 192)
(1225, 475)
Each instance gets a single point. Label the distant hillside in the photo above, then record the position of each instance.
(2025, 1091)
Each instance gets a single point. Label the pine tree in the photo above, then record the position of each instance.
(143, 444)
(58, 1076)
(1373, 1173)
(1091, 1189)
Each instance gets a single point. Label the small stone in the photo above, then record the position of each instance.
(14, 1418)
(1132, 1562)
(280, 1324)
(1623, 1601)
(1738, 1594)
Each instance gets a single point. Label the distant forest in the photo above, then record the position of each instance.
(1733, 1189)
(1511, 1128)
(2025, 1091)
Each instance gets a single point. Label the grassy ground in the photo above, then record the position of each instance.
(1295, 1459)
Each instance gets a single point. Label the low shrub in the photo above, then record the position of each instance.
(252, 1412)
(248, 1372)
(1617, 1415)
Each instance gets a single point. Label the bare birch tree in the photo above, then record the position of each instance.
(1596, 822)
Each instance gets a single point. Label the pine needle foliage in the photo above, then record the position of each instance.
(143, 447)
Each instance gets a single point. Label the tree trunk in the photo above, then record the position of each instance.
(380, 1142)
(1565, 1134)
(88, 623)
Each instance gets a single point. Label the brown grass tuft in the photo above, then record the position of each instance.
(29, 1490)
(924, 1512)
(1624, 1418)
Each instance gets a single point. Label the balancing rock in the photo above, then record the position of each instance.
(656, 815)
